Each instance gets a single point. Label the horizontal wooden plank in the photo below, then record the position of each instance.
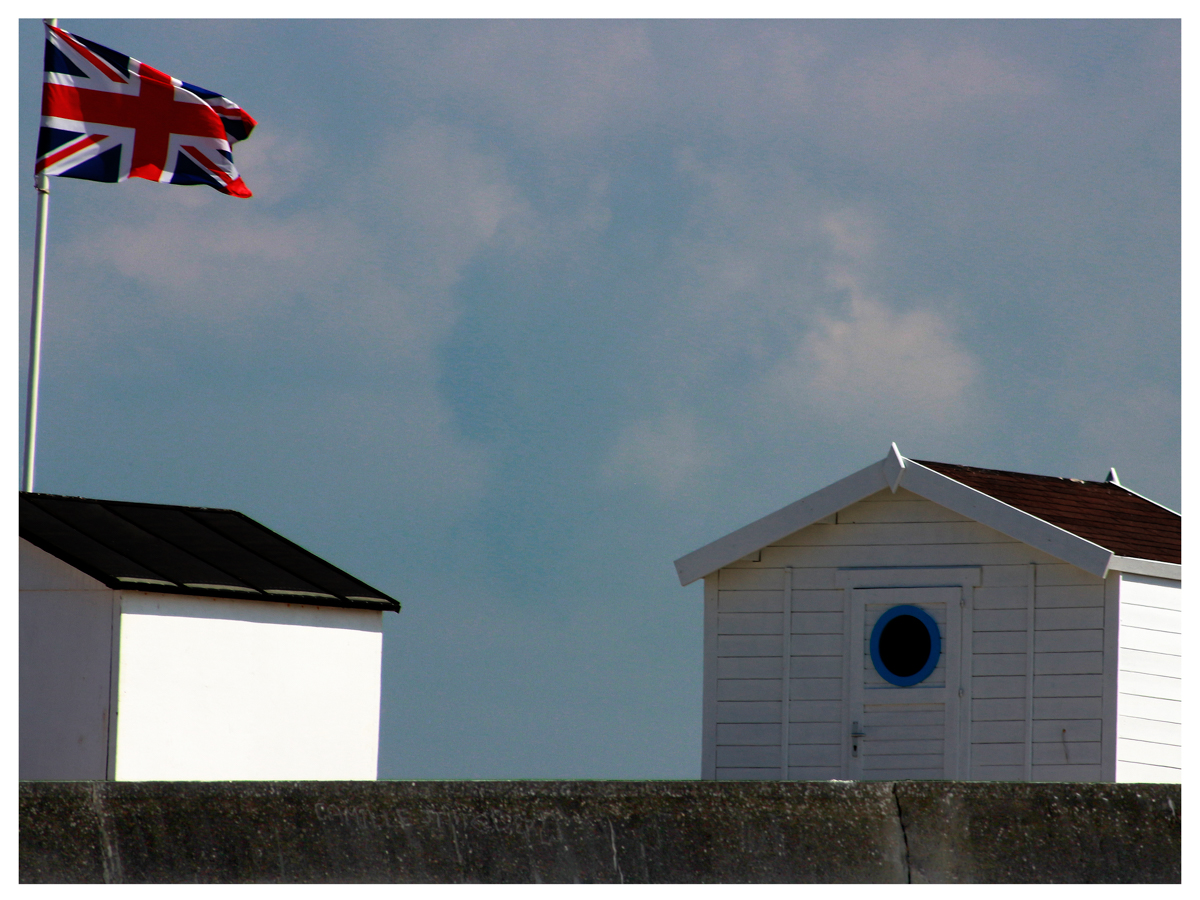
(816, 689)
(816, 623)
(749, 688)
(1045, 730)
(998, 664)
(750, 645)
(875, 534)
(751, 666)
(877, 762)
(902, 717)
(1149, 753)
(900, 556)
(1151, 663)
(1050, 596)
(1142, 773)
(1069, 772)
(1066, 708)
(819, 578)
(990, 686)
(1070, 753)
(1151, 641)
(748, 734)
(815, 755)
(814, 773)
(750, 623)
(816, 645)
(1004, 576)
(931, 690)
(818, 601)
(1150, 685)
(898, 511)
(997, 710)
(749, 601)
(998, 754)
(1086, 663)
(1065, 573)
(816, 667)
(908, 731)
(1079, 641)
(933, 605)
(875, 747)
(1149, 708)
(1150, 617)
(1151, 591)
(1068, 686)
(1149, 730)
(758, 579)
(748, 711)
(1069, 618)
(748, 756)
(1002, 732)
(998, 642)
(815, 733)
(732, 774)
(815, 711)
(997, 773)
(998, 620)
(1000, 598)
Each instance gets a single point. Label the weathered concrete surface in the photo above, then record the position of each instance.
(1005, 832)
(522, 832)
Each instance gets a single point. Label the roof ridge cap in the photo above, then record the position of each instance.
(128, 502)
(927, 462)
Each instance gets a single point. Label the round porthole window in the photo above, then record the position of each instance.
(905, 645)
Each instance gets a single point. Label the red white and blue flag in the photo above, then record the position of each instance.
(108, 117)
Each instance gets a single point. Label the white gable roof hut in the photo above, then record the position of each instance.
(927, 620)
(188, 644)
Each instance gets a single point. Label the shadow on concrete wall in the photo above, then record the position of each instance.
(662, 832)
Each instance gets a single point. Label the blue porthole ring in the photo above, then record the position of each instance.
(905, 645)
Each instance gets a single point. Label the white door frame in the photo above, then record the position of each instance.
(956, 647)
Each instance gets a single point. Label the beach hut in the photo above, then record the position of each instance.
(931, 620)
(164, 642)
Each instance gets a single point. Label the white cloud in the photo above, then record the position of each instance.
(918, 84)
(435, 201)
(870, 358)
(666, 454)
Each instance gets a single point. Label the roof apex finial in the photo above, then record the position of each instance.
(1112, 477)
(893, 467)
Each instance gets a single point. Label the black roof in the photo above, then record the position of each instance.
(187, 550)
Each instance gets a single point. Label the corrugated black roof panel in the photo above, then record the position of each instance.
(180, 527)
(77, 549)
(278, 550)
(191, 550)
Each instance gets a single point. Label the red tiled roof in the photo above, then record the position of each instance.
(1103, 513)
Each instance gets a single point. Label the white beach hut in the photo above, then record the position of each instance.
(180, 643)
(928, 620)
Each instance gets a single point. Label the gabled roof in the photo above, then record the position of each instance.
(1103, 512)
(187, 550)
(1097, 526)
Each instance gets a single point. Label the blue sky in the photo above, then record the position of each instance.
(521, 311)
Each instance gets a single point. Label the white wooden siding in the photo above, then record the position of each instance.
(1032, 669)
(65, 662)
(1149, 680)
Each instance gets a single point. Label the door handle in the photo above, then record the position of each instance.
(855, 734)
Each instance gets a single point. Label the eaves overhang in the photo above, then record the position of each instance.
(890, 472)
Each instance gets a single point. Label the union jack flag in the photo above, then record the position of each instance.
(108, 117)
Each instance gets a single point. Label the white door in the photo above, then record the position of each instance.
(904, 683)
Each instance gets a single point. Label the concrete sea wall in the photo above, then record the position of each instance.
(524, 832)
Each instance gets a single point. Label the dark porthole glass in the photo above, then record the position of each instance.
(905, 645)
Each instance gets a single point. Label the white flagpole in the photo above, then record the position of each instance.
(35, 323)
